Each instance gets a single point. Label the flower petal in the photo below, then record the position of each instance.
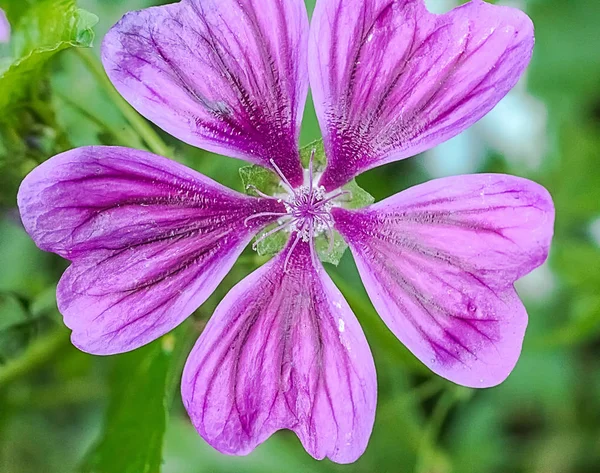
(229, 76)
(149, 240)
(283, 351)
(4, 28)
(439, 262)
(390, 80)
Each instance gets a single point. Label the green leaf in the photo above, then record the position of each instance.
(268, 183)
(43, 30)
(14, 10)
(143, 384)
(12, 312)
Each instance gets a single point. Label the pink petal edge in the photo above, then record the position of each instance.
(149, 240)
(439, 261)
(228, 76)
(391, 80)
(283, 350)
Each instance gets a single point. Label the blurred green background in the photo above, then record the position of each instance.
(64, 411)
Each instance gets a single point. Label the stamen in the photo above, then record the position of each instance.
(271, 232)
(263, 214)
(291, 190)
(259, 192)
(308, 213)
(311, 174)
(335, 196)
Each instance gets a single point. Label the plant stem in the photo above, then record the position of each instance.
(77, 391)
(36, 355)
(251, 260)
(123, 139)
(138, 123)
(438, 416)
(424, 391)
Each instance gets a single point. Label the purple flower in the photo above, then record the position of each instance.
(149, 239)
(4, 28)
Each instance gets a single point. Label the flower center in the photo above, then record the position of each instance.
(308, 210)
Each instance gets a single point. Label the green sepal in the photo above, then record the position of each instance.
(267, 181)
(261, 178)
(360, 197)
(320, 158)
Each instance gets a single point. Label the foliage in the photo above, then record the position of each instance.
(28, 130)
(62, 410)
(41, 31)
(142, 387)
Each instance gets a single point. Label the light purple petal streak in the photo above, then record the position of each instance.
(229, 76)
(390, 80)
(439, 262)
(283, 351)
(4, 28)
(149, 240)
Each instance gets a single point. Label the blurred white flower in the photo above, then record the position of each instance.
(595, 230)
(538, 285)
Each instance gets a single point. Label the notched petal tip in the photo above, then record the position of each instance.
(228, 76)
(149, 240)
(439, 262)
(391, 80)
(283, 351)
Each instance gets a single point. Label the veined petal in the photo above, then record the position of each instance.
(439, 262)
(149, 240)
(4, 28)
(229, 76)
(283, 351)
(390, 80)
